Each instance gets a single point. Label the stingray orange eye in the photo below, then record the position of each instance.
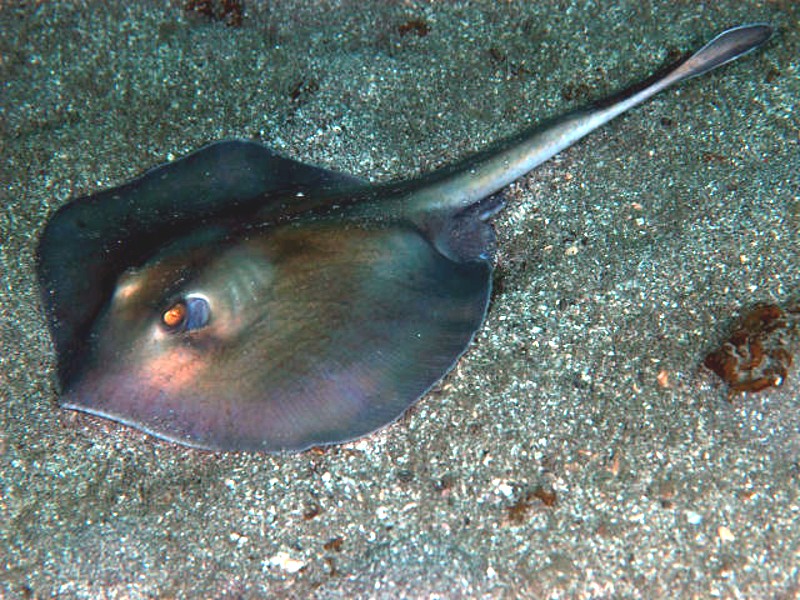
(188, 314)
(174, 315)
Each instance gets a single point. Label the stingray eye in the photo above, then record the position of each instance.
(173, 317)
(187, 315)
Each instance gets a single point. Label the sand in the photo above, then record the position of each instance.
(579, 448)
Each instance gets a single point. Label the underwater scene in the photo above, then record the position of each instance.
(404, 299)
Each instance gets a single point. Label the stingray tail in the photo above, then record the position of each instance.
(484, 174)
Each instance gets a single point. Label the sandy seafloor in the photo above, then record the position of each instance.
(628, 255)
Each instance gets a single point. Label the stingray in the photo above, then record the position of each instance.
(236, 299)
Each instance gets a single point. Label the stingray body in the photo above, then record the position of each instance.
(239, 300)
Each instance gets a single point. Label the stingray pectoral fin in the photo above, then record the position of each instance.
(89, 242)
(345, 329)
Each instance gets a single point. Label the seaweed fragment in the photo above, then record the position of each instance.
(517, 513)
(229, 12)
(756, 356)
(417, 26)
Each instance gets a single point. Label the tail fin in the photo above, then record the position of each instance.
(489, 171)
(727, 46)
